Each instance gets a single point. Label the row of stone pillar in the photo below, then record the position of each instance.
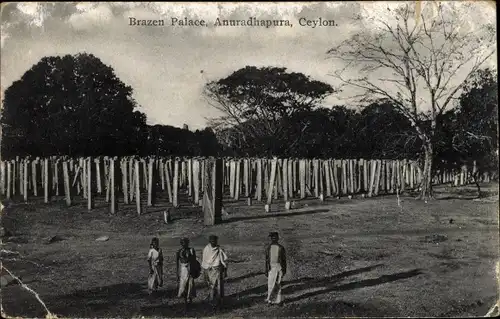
(251, 178)
(290, 178)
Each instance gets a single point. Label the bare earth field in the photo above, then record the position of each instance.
(358, 257)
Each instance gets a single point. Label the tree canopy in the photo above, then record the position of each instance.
(75, 105)
(258, 103)
(473, 125)
(70, 105)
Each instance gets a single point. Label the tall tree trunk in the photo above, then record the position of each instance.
(426, 182)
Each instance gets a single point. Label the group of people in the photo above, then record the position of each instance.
(214, 269)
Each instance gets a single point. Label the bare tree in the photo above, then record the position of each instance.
(419, 63)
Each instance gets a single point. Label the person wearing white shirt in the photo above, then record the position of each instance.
(214, 264)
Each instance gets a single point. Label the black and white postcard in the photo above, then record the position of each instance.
(249, 159)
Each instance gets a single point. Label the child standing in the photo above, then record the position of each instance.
(155, 262)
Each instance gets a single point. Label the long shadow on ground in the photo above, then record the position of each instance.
(356, 285)
(246, 276)
(131, 299)
(256, 295)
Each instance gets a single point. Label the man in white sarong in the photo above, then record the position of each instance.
(214, 266)
(275, 269)
(186, 257)
(155, 262)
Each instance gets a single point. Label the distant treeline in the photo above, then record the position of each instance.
(374, 132)
(76, 106)
(159, 140)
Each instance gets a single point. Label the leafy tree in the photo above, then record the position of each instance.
(324, 132)
(71, 105)
(386, 133)
(166, 140)
(475, 126)
(257, 102)
(309, 133)
(378, 131)
(209, 146)
(419, 66)
(342, 132)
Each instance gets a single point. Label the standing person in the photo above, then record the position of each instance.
(188, 269)
(275, 269)
(155, 261)
(214, 265)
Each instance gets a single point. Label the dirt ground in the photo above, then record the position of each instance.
(347, 257)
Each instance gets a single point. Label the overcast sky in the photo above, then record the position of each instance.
(163, 64)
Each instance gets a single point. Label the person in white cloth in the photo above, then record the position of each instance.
(155, 262)
(214, 266)
(275, 269)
